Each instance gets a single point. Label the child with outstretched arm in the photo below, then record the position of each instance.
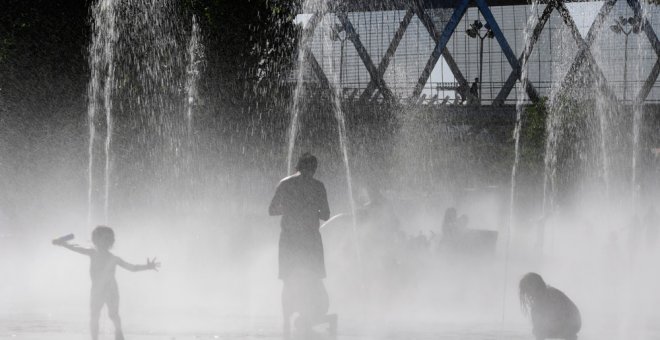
(102, 272)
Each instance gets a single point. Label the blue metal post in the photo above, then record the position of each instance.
(648, 84)
(653, 39)
(459, 11)
(585, 49)
(513, 76)
(385, 62)
(376, 77)
(601, 81)
(425, 18)
(506, 49)
(305, 39)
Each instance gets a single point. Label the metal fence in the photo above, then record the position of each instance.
(387, 54)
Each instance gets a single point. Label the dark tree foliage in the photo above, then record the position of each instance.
(43, 47)
(42, 29)
(42, 51)
(250, 46)
(533, 138)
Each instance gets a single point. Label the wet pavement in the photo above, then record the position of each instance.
(266, 329)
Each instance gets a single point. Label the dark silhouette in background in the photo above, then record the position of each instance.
(459, 239)
(302, 202)
(473, 96)
(450, 223)
(102, 272)
(554, 315)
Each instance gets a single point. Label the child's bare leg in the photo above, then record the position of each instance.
(95, 313)
(113, 313)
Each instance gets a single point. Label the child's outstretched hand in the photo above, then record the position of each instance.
(58, 242)
(63, 241)
(152, 264)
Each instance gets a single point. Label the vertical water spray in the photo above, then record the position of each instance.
(303, 49)
(195, 55)
(320, 8)
(107, 97)
(561, 100)
(92, 106)
(639, 20)
(100, 89)
(343, 144)
(550, 157)
(605, 160)
(295, 112)
(520, 107)
(637, 120)
(107, 103)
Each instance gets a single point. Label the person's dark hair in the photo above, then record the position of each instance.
(103, 237)
(307, 162)
(531, 285)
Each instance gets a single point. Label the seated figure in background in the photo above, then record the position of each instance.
(554, 315)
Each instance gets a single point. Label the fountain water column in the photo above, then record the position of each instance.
(195, 58)
(107, 97)
(637, 121)
(639, 19)
(101, 61)
(603, 119)
(92, 106)
(343, 138)
(303, 52)
(319, 8)
(552, 127)
(520, 107)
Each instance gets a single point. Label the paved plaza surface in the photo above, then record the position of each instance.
(266, 329)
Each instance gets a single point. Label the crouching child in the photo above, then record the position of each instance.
(553, 314)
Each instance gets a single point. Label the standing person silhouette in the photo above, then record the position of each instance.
(302, 201)
(473, 94)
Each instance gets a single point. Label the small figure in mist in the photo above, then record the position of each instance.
(450, 223)
(554, 315)
(302, 201)
(378, 213)
(473, 94)
(102, 272)
(474, 89)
